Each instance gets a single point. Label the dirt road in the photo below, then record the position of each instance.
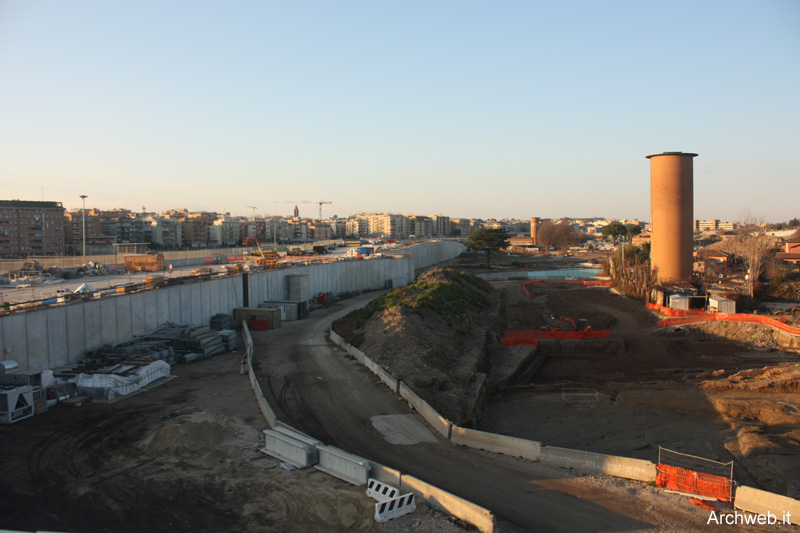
(314, 387)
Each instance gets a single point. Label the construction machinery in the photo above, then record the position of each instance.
(260, 257)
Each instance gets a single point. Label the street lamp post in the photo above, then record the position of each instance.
(83, 212)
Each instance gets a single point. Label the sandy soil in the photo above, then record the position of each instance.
(691, 390)
(181, 456)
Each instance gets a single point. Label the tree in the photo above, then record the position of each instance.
(488, 240)
(614, 230)
(632, 230)
(564, 235)
(751, 245)
(546, 235)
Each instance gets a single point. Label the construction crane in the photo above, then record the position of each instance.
(320, 203)
(254, 210)
(320, 209)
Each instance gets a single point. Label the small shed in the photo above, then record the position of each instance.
(679, 301)
(721, 305)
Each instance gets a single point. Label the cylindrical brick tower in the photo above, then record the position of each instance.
(535, 230)
(671, 215)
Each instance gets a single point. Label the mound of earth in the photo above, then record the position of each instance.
(431, 335)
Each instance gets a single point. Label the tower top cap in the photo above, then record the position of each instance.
(672, 153)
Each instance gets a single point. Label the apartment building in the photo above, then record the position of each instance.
(31, 228)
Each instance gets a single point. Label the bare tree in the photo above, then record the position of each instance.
(751, 245)
(546, 235)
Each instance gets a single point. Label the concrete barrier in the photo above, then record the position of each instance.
(439, 423)
(395, 507)
(611, 465)
(380, 491)
(384, 474)
(783, 508)
(289, 450)
(263, 405)
(443, 501)
(491, 442)
(345, 466)
(382, 374)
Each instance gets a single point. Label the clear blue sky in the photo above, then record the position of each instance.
(470, 109)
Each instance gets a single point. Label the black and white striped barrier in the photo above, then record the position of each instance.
(380, 491)
(385, 511)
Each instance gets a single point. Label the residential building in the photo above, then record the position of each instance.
(31, 228)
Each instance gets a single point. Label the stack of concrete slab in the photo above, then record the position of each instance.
(222, 321)
(201, 340)
(230, 338)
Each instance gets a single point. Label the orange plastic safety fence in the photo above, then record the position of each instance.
(682, 480)
(730, 317)
(675, 312)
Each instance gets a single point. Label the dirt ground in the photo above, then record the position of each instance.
(687, 389)
(180, 456)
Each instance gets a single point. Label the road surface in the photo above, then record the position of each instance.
(314, 387)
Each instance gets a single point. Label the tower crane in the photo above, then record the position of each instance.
(320, 209)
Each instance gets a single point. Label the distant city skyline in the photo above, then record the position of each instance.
(473, 110)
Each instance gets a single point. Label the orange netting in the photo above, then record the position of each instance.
(675, 312)
(682, 480)
(730, 317)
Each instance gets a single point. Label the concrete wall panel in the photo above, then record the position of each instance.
(214, 299)
(92, 321)
(57, 337)
(197, 299)
(439, 423)
(611, 465)
(36, 326)
(76, 332)
(186, 304)
(174, 296)
(138, 324)
(124, 322)
(15, 339)
(108, 321)
(783, 508)
(150, 310)
(162, 306)
(481, 518)
(492, 442)
(345, 466)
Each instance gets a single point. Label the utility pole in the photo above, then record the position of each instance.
(83, 212)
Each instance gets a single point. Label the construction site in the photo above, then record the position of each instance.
(512, 396)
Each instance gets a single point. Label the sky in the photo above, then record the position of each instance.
(493, 109)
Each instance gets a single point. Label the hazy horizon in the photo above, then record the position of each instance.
(473, 110)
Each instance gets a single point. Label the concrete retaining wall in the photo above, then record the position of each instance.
(766, 503)
(442, 500)
(362, 358)
(345, 466)
(263, 405)
(491, 442)
(56, 336)
(439, 423)
(611, 465)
